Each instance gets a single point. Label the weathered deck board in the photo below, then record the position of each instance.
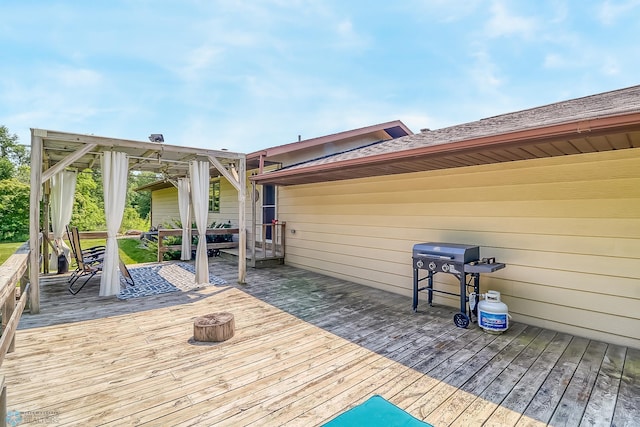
(602, 402)
(307, 347)
(627, 411)
(574, 401)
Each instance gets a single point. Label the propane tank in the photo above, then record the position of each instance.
(493, 315)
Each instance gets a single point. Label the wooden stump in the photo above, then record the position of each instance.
(214, 327)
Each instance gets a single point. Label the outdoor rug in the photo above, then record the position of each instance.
(376, 412)
(161, 279)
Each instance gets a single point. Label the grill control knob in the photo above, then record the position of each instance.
(419, 263)
(432, 266)
(445, 267)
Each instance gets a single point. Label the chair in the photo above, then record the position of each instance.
(88, 262)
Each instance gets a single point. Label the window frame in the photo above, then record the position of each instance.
(214, 202)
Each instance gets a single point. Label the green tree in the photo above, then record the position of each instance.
(14, 187)
(7, 169)
(140, 200)
(88, 206)
(11, 149)
(14, 210)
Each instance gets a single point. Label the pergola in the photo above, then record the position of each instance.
(57, 152)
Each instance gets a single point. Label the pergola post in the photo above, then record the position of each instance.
(239, 182)
(242, 226)
(34, 220)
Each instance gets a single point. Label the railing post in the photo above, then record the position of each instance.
(7, 311)
(283, 235)
(160, 240)
(274, 239)
(3, 402)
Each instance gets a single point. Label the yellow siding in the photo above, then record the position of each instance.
(164, 206)
(567, 227)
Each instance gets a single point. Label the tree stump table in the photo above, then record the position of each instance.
(213, 327)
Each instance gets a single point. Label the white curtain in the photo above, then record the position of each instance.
(63, 188)
(115, 170)
(199, 172)
(185, 217)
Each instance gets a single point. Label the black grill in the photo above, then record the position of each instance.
(458, 260)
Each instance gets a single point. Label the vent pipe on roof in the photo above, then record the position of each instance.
(299, 138)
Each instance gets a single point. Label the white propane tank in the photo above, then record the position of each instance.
(493, 315)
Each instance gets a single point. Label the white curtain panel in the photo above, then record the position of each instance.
(199, 173)
(185, 217)
(63, 188)
(115, 170)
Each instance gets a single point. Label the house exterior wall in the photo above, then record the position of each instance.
(164, 206)
(568, 229)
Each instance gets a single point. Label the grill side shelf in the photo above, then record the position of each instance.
(483, 267)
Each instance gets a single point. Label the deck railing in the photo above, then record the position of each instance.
(163, 233)
(14, 271)
(272, 242)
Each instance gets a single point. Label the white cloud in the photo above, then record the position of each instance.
(484, 71)
(197, 62)
(348, 37)
(555, 60)
(505, 23)
(75, 77)
(445, 11)
(610, 66)
(610, 11)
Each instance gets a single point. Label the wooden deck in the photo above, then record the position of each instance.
(307, 347)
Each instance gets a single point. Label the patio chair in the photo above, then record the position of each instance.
(89, 255)
(89, 262)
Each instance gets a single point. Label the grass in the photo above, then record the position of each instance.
(131, 252)
(7, 249)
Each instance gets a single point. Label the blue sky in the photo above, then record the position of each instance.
(245, 75)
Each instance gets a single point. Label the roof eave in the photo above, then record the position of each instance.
(594, 126)
(300, 145)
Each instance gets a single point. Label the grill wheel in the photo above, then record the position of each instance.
(461, 320)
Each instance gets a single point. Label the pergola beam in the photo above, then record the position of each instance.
(232, 179)
(60, 166)
(155, 146)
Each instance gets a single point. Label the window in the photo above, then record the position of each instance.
(214, 196)
(268, 207)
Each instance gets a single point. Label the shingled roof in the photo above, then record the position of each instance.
(601, 122)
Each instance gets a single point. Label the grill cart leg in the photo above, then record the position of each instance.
(461, 319)
(463, 293)
(415, 290)
(476, 290)
(430, 288)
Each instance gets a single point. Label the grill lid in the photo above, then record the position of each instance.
(453, 252)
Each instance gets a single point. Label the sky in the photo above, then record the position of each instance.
(244, 75)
